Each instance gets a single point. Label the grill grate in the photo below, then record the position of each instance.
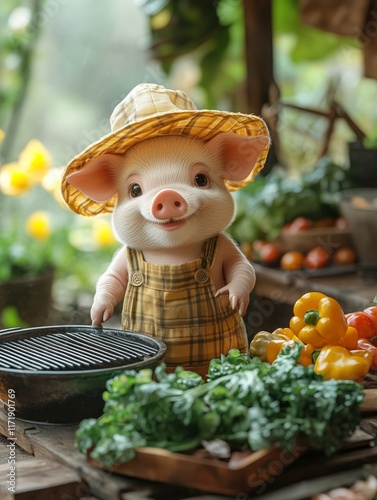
(74, 350)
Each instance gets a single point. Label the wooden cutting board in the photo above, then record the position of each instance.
(369, 404)
(244, 472)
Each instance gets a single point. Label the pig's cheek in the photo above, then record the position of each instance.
(217, 211)
(127, 223)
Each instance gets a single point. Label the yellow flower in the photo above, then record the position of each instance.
(1, 135)
(38, 225)
(102, 233)
(14, 180)
(36, 160)
(161, 19)
(51, 182)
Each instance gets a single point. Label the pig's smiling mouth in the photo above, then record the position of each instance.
(172, 224)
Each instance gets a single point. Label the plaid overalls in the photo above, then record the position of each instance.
(177, 304)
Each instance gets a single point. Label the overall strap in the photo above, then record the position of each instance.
(209, 253)
(135, 259)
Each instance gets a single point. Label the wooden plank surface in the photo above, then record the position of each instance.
(4, 454)
(40, 480)
(57, 443)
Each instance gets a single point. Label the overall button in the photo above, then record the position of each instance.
(137, 278)
(201, 275)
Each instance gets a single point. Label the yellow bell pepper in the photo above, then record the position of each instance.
(274, 347)
(306, 356)
(280, 337)
(258, 346)
(320, 321)
(267, 346)
(341, 364)
(351, 338)
(285, 333)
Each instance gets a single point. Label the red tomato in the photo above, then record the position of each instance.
(344, 256)
(269, 253)
(258, 244)
(363, 323)
(300, 224)
(256, 249)
(291, 261)
(372, 313)
(341, 223)
(317, 258)
(365, 345)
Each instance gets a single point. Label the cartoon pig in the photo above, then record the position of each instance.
(181, 278)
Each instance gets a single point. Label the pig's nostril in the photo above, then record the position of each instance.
(160, 206)
(168, 204)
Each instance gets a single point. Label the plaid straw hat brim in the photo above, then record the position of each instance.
(152, 111)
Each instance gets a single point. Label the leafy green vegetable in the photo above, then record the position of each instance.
(265, 205)
(246, 402)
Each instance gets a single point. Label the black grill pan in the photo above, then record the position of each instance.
(58, 373)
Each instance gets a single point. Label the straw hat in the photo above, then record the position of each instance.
(149, 111)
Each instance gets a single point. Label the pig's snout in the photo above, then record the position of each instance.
(168, 204)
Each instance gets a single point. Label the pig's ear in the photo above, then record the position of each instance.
(239, 153)
(98, 178)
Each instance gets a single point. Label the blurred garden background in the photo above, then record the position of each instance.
(65, 64)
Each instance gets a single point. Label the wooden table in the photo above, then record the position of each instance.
(56, 469)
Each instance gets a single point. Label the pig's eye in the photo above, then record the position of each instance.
(135, 190)
(201, 180)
